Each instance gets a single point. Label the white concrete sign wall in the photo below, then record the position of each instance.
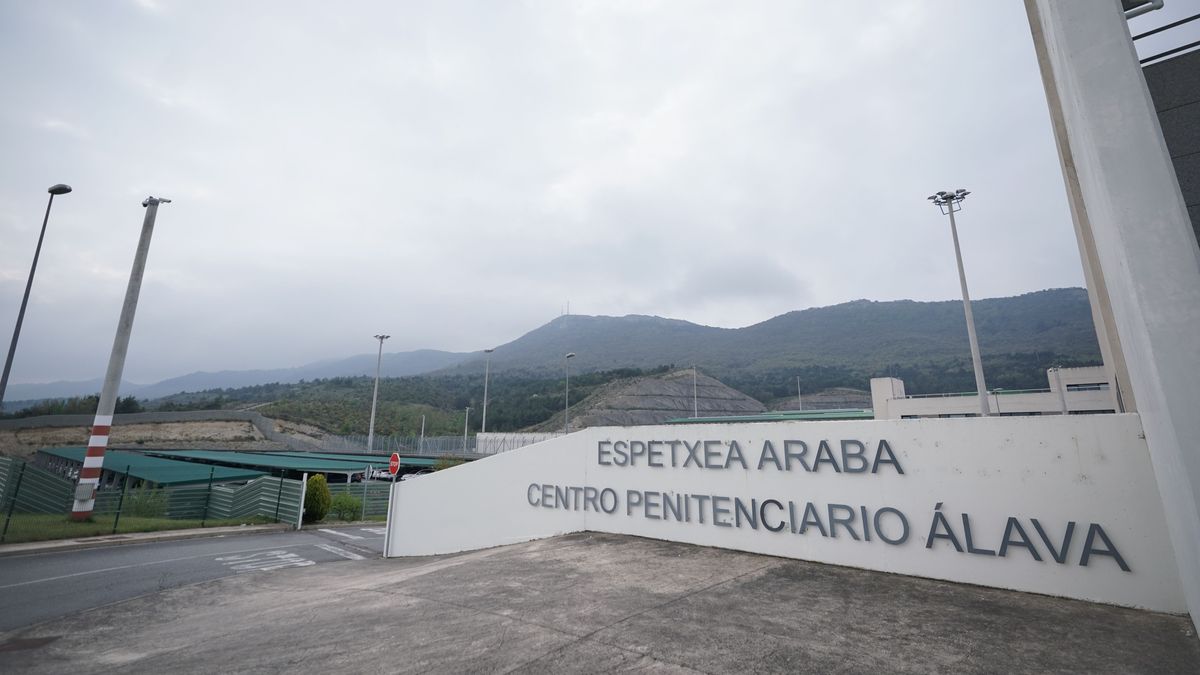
(1059, 505)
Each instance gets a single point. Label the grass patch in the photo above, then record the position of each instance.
(27, 527)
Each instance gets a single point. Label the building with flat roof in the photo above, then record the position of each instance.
(1074, 391)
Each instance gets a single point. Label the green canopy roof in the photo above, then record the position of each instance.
(266, 461)
(157, 469)
(362, 459)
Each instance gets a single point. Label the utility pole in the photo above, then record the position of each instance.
(93, 461)
(375, 396)
(466, 423)
(949, 202)
(799, 396)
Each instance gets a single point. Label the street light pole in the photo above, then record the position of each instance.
(54, 190)
(799, 396)
(695, 400)
(567, 394)
(487, 369)
(375, 396)
(950, 202)
(466, 422)
(93, 461)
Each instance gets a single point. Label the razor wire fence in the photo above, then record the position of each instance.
(472, 446)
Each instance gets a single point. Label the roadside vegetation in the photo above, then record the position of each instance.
(26, 527)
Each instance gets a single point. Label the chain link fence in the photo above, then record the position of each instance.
(35, 503)
(435, 446)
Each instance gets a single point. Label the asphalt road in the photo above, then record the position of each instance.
(41, 586)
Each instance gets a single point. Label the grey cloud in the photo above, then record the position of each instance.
(455, 172)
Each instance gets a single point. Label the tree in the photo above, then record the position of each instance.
(316, 499)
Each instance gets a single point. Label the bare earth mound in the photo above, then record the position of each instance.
(654, 399)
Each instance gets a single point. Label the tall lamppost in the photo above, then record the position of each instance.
(54, 190)
(567, 394)
(375, 396)
(487, 369)
(466, 422)
(949, 202)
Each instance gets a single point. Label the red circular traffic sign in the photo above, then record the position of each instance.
(394, 464)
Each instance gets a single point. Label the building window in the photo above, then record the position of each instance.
(1090, 386)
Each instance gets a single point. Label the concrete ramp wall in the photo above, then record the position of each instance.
(1061, 505)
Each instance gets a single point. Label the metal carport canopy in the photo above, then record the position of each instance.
(266, 461)
(361, 459)
(156, 469)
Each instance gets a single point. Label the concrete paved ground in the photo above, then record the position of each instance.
(599, 603)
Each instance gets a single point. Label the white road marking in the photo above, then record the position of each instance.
(339, 551)
(340, 534)
(264, 561)
(374, 530)
(125, 567)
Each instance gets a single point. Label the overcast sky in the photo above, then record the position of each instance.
(453, 173)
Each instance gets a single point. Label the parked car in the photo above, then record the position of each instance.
(410, 476)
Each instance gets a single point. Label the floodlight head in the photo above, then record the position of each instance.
(155, 200)
(489, 351)
(59, 189)
(570, 355)
(941, 193)
(381, 338)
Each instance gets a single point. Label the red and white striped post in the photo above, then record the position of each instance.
(93, 461)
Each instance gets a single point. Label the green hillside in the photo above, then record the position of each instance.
(923, 343)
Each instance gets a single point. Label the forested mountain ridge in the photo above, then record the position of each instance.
(924, 343)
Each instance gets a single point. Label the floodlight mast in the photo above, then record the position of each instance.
(950, 201)
(375, 396)
(93, 461)
(567, 393)
(487, 370)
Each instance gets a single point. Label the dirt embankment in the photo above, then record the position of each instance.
(225, 435)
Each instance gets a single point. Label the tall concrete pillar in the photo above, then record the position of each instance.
(1136, 240)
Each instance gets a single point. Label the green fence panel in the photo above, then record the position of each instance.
(8, 469)
(290, 506)
(267, 496)
(377, 495)
(40, 491)
(43, 491)
(186, 502)
(107, 500)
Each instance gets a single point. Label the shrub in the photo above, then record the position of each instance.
(145, 503)
(345, 507)
(316, 499)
